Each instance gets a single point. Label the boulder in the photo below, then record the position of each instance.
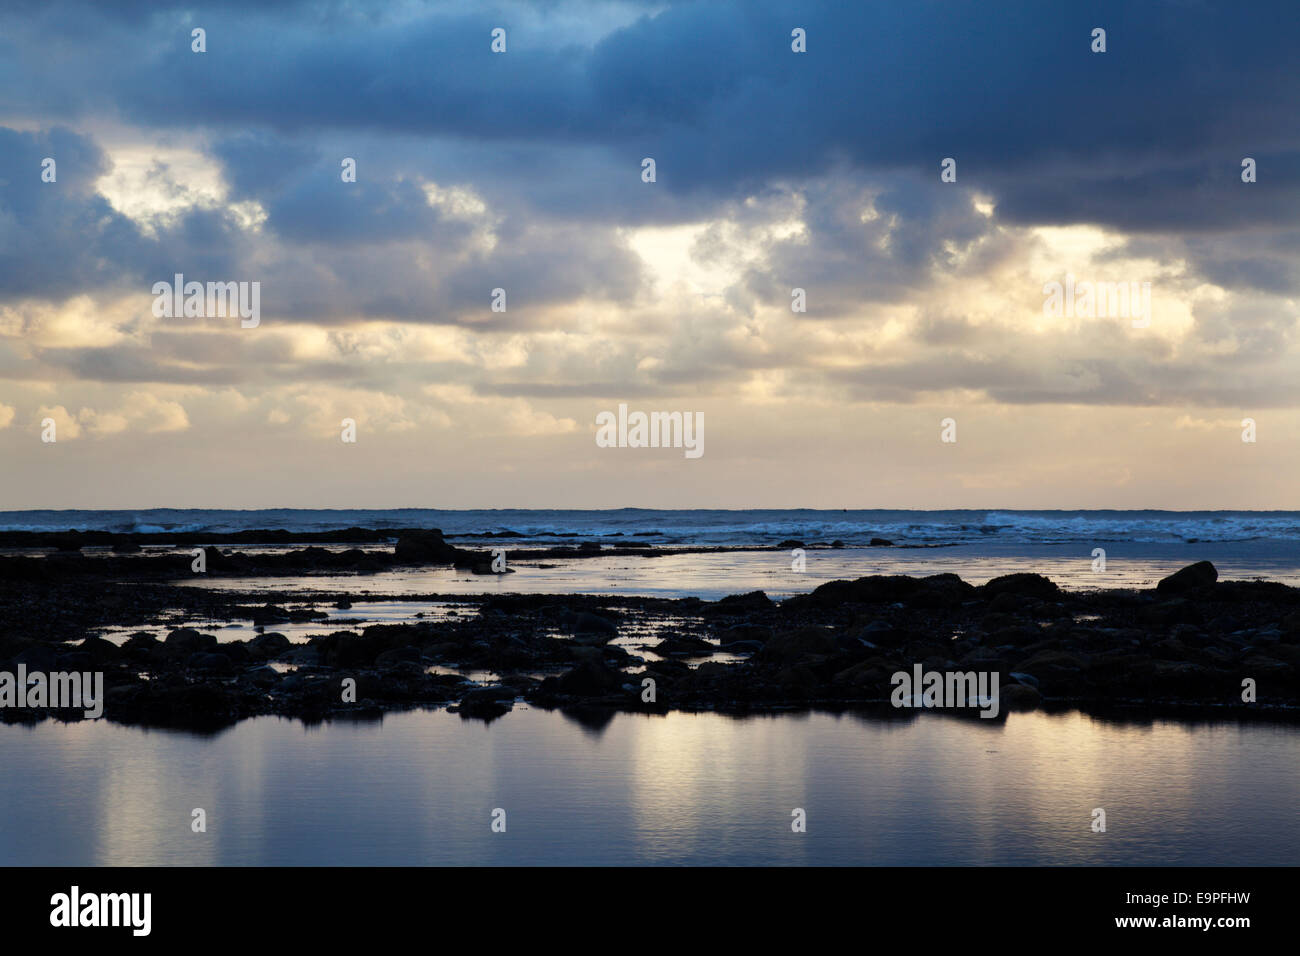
(681, 645)
(1023, 585)
(797, 645)
(583, 622)
(100, 650)
(588, 679)
(210, 662)
(398, 655)
(426, 547)
(1194, 577)
(186, 640)
(750, 601)
(268, 646)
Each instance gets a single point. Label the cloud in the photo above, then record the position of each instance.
(66, 426)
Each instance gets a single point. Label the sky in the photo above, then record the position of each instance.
(821, 170)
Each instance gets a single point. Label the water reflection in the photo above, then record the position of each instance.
(419, 788)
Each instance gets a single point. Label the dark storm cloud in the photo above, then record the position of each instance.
(712, 90)
(58, 238)
(62, 238)
(1147, 136)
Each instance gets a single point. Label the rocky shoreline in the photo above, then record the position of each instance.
(1185, 646)
(163, 556)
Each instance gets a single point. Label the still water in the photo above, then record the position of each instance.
(712, 575)
(420, 788)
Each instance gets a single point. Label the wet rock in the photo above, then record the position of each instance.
(348, 649)
(302, 654)
(865, 676)
(1163, 615)
(681, 645)
(236, 651)
(306, 615)
(428, 547)
(186, 640)
(750, 601)
(939, 591)
(583, 622)
(269, 614)
(398, 655)
(100, 650)
(74, 661)
(269, 646)
(588, 679)
(1194, 577)
(1184, 679)
(141, 642)
(799, 680)
(881, 543)
(1024, 585)
(1007, 603)
(214, 560)
(211, 662)
(744, 633)
(262, 676)
(1019, 697)
(797, 645)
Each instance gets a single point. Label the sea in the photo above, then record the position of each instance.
(1077, 549)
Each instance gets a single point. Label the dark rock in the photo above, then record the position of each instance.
(186, 640)
(1023, 585)
(140, 641)
(796, 645)
(744, 633)
(681, 645)
(214, 663)
(237, 651)
(263, 676)
(398, 655)
(1019, 697)
(269, 614)
(1194, 577)
(750, 601)
(586, 680)
(74, 661)
(100, 650)
(426, 547)
(269, 646)
(582, 622)
(38, 657)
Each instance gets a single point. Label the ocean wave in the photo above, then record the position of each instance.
(708, 527)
